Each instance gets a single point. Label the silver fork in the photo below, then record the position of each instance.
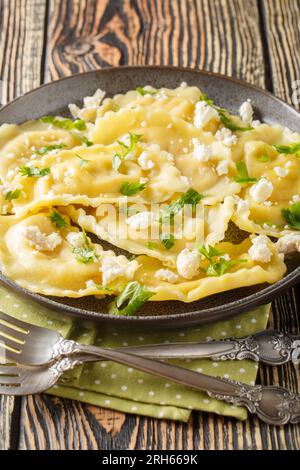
(273, 405)
(38, 346)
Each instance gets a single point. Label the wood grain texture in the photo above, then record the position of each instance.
(235, 37)
(281, 20)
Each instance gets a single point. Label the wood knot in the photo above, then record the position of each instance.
(79, 47)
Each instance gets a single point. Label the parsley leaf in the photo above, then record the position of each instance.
(34, 172)
(264, 157)
(289, 149)
(126, 149)
(218, 268)
(130, 300)
(144, 92)
(85, 253)
(151, 245)
(190, 197)
(129, 189)
(48, 148)
(83, 161)
(58, 220)
(209, 252)
(292, 215)
(83, 139)
(63, 123)
(14, 194)
(243, 176)
(168, 240)
(224, 116)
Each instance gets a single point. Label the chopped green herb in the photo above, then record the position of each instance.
(191, 197)
(58, 220)
(292, 215)
(243, 176)
(67, 124)
(209, 252)
(48, 148)
(264, 157)
(168, 240)
(99, 287)
(126, 149)
(34, 172)
(14, 194)
(130, 300)
(129, 189)
(144, 92)
(86, 253)
(291, 149)
(224, 116)
(115, 107)
(83, 139)
(83, 161)
(218, 268)
(151, 245)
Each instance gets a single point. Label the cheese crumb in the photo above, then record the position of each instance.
(289, 243)
(145, 162)
(201, 152)
(188, 263)
(140, 221)
(40, 241)
(117, 266)
(260, 250)
(246, 111)
(226, 137)
(166, 275)
(75, 239)
(222, 167)
(281, 172)
(203, 114)
(261, 190)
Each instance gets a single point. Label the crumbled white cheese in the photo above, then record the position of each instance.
(188, 263)
(261, 190)
(222, 167)
(203, 114)
(75, 239)
(260, 250)
(95, 100)
(185, 180)
(40, 241)
(281, 172)
(246, 111)
(166, 275)
(201, 152)
(296, 198)
(242, 205)
(289, 243)
(226, 137)
(90, 284)
(140, 221)
(74, 110)
(226, 257)
(144, 180)
(145, 162)
(143, 124)
(117, 266)
(183, 84)
(256, 123)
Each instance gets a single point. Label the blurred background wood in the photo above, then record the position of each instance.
(43, 40)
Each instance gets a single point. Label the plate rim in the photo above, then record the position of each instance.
(193, 317)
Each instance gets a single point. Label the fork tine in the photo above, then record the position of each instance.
(9, 347)
(13, 335)
(14, 322)
(9, 369)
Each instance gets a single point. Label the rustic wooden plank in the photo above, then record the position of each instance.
(281, 19)
(22, 42)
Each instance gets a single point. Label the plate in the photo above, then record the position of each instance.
(229, 93)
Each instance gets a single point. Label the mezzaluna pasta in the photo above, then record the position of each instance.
(133, 170)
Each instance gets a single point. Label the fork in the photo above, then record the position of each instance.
(273, 405)
(39, 346)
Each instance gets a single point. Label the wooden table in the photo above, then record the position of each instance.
(43, 40)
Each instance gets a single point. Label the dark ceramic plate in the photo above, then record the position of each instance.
(53, 98)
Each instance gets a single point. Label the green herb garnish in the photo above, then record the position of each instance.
(168, 240)
(224, 116)
(129, 189)
(130, 300)
(83, 161)
(289, 149)
(58, 220)
(125, 150)
(14, 194)
(67, 124)
(34, 172)
(209, 252)
(151, 245)
(264, 157)
(292, 215)
(144, 92)
(191, 197)
(85, 253)
(243, 176)
(48, 148)
(100, 287)
(218, 268)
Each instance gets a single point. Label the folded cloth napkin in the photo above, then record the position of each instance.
(114, 386)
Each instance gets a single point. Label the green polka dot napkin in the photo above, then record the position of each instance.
(121, 388)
